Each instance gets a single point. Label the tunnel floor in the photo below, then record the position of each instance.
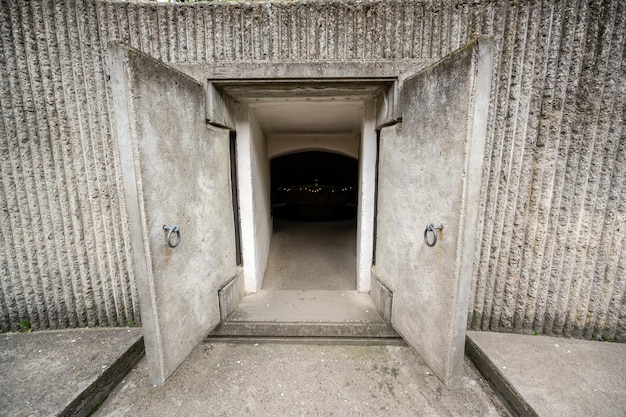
(312, 256)
(309, 288)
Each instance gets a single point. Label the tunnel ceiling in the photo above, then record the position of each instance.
(309, 117)
(307, 106)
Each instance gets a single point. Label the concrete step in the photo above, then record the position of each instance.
(304, 329)
(318, 341)
(314, 313)
(552, 376)
(64, 372)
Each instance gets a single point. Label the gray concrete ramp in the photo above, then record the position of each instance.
(549, 376)
(312, 256)
(270, 379)
(65, 372)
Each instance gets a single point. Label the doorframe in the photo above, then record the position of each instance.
(368, 155)
(256, 232)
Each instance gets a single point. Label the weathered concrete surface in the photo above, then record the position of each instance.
(63, 373)
(306, 306)
(312, 256)
(176, 172)
(553, 377)
(253, 190)
(312, 313)
(301, 380)
(551, 253)
(429, 173)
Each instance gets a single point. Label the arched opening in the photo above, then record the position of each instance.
(314, 210)
(314, 186)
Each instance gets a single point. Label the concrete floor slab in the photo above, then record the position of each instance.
(312, 256)
(63, 373)
(306, 314)
(258, 379)
(307, 306)
(549, 376)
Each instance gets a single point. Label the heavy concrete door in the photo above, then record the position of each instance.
(176, 172)
(430, 167)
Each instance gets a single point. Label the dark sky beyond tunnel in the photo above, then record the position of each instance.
(306, 168)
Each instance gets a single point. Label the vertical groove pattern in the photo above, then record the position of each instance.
(550, 256)
(64, 248)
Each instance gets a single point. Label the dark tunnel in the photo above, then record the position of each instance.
(314, 186)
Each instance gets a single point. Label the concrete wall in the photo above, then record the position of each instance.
(367, 197)
(550, 251)
(344, 143)
(253, 176)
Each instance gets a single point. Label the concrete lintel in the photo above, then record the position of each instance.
(301, 70)
(282, 89)
(220, 108)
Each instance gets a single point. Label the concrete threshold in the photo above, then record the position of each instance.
(322, 341)
(310, 313)
(64, 372)
(553, 376)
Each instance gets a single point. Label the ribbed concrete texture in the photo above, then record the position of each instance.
(64, 250)
(550, 256)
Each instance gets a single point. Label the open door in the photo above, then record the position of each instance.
(176, 173)
(430, 167)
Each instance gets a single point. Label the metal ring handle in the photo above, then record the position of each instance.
(431, 228)
(171, 231)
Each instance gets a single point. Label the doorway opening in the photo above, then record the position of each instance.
(306, 178)
(309, 158)
(305, 171)
(314, 209)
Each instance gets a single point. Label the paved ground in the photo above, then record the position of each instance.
(552, 376)
(269, 379)
(51, 373)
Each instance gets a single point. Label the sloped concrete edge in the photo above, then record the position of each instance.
(510, 397)
(299, 329)
(100, 389)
